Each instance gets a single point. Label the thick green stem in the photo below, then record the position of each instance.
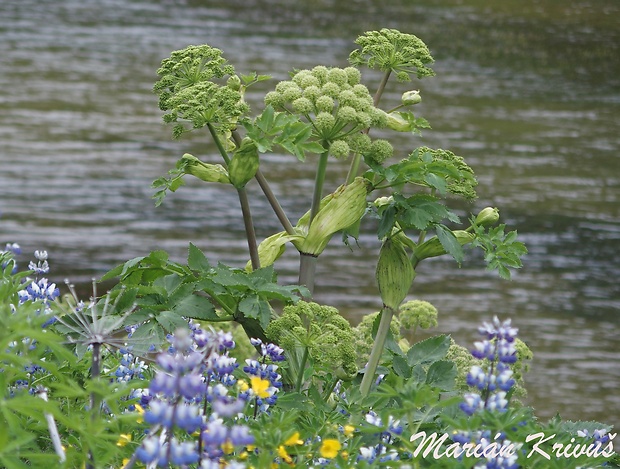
(245, 206)
(377, 349)
(381, 88)
(249, 228)
(307, 263)
(273, 201)
(271, 197)
(307, 269)
(218, 143)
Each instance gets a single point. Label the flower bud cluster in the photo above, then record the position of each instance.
(390, 50)
(338, 106)
(186, 90)
(493, 377)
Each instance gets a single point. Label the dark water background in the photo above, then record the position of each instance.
(527, 91)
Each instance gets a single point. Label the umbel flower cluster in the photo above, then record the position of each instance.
(188, 93)
(339, 108)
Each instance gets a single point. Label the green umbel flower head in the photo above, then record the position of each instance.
(334, 101)
(391, 50)
(321, 328)
(418, 313)
(188, 93)
(187, 67)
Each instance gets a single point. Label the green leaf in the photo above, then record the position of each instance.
(401, 366)
(196, 307)
(250, 306)
(441, 374)
(170, 321)
(293, 400)
(196, 259)
(449, 242)
(388, 218)
(150, 333)
(428, 350)
(436, 182)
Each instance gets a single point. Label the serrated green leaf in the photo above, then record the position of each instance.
(196, 307)
(449, 242)
(441, 374)
(196, 259)
(436, 182)
(428, 350)
(401, 366)
(170, 320)
(388, 218)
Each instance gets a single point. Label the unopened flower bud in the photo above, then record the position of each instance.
(234, 82)
(342, 209)
(488, 216)
(244, 164)
(410, 98)
(394, 273)
(396, 121)
(205, 171)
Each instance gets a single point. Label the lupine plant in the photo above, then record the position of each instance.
(195, 365)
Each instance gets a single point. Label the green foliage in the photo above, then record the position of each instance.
(281, 129)
(166, 292)
(501, 250)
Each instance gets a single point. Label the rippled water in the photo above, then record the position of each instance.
(528, 92)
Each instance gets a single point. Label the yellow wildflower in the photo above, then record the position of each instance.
(228, 447)
(140, 411)
(284, 455)
(348, 430)
(329, 448)
(260, 387)
(123, 439)
(294, 440)
(242, 385)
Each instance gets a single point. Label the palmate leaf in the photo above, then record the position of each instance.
(282, 129)
(502, 251)
(420, 211)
